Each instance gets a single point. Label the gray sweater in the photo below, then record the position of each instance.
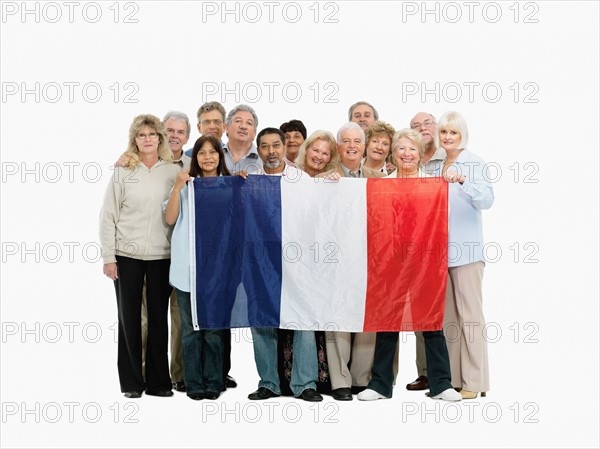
(132, 222)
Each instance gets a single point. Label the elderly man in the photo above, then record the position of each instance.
(271, 149)
(342, 346)
(425, 123)
(177, 125)
(240, 152)
(363, 113)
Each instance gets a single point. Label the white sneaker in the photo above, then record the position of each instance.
(448, 395)
(371, 395)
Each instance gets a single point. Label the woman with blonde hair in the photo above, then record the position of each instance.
(318, 154)
(469, 193)
(407, 151)
(135, 241)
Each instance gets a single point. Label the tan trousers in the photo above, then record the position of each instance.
(464, 329)
(176, 367)
(339, 349)
(421, 360)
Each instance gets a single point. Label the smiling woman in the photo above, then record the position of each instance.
(469, 193)
(407, 153)
(136, 246)
(379, 138)
(203, 350)
(318, 153)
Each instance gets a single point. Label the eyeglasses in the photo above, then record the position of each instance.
(207, 122)
(143, 136)
(426, 124)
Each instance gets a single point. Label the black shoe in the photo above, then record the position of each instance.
(212, 395)
(230, 382)
(161, 393)
(310, 395)
(197, 396)
(356, 390)
(420, 383)
(133, 394)
(342, 394)
(179, 386)
(262, 393)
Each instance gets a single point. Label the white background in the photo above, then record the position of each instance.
(544, 364)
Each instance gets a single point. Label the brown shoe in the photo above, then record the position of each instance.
(420, 383)
(179, 386)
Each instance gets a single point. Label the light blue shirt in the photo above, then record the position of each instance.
(251, 163)
(465, 202)
(179, 273)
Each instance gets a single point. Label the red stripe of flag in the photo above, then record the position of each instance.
(407, 225)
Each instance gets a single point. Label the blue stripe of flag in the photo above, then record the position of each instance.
(238, 251)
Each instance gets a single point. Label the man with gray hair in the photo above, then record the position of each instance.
(240, 152)
(425, 123)
(363, 113)
(177, 125)
(343, 346)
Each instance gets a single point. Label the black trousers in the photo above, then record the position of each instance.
(128, 287)
(226, 352)
(436, 353)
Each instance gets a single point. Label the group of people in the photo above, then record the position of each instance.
(145, 242)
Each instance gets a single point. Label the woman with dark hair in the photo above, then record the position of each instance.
(135, 245)
(202, 349)
(208, 151)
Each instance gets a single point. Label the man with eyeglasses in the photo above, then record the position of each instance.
(211, 120)
(431, 161)
(425, 123)
(240, 127)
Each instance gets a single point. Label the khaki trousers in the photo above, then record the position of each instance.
(340, 349)
(464, 329)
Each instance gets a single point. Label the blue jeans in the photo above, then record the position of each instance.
(203, 352)
(304, 367)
